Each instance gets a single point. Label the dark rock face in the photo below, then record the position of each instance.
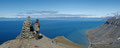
(105, 36)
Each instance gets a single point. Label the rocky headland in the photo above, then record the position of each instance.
(105, 36)
(29, 38)
(58, 42)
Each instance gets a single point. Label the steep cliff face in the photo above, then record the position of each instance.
(105, 36)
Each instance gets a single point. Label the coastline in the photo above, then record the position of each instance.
(62, 39)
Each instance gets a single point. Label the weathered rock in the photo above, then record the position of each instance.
(105, 36)
(58, 42)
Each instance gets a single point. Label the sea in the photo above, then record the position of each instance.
(74, 31)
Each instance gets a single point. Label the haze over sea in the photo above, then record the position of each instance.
(72, 30)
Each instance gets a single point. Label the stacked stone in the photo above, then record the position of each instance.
(26, 26)
(26, 31)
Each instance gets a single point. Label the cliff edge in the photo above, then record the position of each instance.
(58, 42)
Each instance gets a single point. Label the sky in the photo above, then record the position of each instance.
(58, 8)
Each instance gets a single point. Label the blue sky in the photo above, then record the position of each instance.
(89, 8)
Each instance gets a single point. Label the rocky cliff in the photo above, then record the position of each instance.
(105, 36)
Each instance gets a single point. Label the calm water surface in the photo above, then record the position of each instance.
(72, 30)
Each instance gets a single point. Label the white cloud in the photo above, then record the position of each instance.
(53, 16)
(49, 14)
(12, 16)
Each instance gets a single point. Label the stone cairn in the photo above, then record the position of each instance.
(28, 31)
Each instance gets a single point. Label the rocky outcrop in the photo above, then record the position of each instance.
(105, 36)
(58, 42)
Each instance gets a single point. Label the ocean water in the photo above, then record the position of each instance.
(72, 30)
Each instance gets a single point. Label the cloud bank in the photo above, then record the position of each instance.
(49, 14)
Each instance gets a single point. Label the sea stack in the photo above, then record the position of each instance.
(27, 39)
(105, 36)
